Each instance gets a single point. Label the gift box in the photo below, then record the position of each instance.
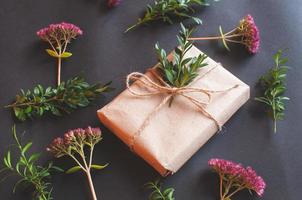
(167, 134)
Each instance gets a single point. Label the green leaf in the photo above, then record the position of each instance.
(27, 146)
(99, 167)
(66, 55)
(52, 53)
(34, 157)
(73, 170)
(223, 39)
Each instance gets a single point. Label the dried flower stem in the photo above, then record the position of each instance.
(72, 145)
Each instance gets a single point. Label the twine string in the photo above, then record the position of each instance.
(164, 88)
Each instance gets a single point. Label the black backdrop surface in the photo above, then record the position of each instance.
(105, 53)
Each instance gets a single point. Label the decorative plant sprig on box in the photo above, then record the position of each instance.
(180, 71)
(59, 36)
(28, 170)
(273, 83)
(157, 192)
(75, 93)
(234, 178)
(73, 145)
(166, 10)
(246, 33)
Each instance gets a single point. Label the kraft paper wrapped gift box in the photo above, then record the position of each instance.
(173, 134)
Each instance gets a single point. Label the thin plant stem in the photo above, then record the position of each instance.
(220, 186)
(215, 37)
(91, 155)
(59, 71)
(91, 186)
(87, 170)
(234, 192)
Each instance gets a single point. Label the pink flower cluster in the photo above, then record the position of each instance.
(250, 32)
(75, 138)
(243, 177)
(113, 3)
(62, 31)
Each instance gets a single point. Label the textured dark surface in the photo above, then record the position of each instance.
(104, 53)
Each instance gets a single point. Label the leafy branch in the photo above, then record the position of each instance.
(157, 192)
(65, 98)
(30, 172)
(182, 70)
(273, 83)
(165, 10)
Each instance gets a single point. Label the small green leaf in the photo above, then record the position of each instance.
(99, 167)
(66, 55)
(27, 146)
(223, 39)
(73, 170)
(52, 53)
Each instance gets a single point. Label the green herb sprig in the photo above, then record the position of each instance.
(68, 96)
(273, 83)
(159, 194)
(165, 10)
(182, 70)
(29, 172)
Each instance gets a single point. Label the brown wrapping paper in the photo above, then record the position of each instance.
(174, 133)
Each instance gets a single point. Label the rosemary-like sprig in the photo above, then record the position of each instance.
(182, 70)
(165, 10)
(68, 96)
(157, 192)
(28, 171)
(273, 83)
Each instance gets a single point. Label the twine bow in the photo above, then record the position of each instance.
(163, 88)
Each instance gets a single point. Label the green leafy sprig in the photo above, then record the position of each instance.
(159, 194)
(68, 96)
(182, 70)
(273, 83)
(29, 172)
(165, 10)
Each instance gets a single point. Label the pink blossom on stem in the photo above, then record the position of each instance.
(250, 33)
(73, 144)
(234, 178)
(59, 36)
(246, 33)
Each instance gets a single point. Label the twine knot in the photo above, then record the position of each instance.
(161, 87)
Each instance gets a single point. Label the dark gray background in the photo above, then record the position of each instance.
(104, 53)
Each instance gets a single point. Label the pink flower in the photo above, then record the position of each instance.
(74, 139)
(78, 144)
(113, 3)
(250, 33)
(59, 36)
(234, 175)
(246, 33)
(61, 31)
(253, 181)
